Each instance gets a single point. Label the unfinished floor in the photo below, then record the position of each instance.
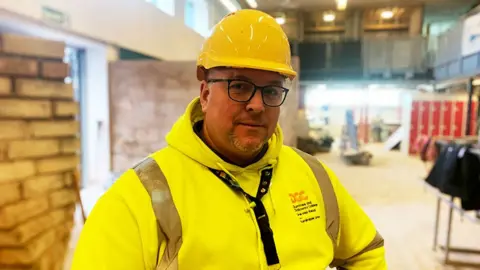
(391, 192)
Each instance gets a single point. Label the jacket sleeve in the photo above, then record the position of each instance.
(359, 246)
(112, 236)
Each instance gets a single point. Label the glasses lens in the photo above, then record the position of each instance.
(273, 95)
(241, 90)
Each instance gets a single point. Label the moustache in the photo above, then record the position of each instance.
(251, 122)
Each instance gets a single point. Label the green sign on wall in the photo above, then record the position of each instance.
(54, 16)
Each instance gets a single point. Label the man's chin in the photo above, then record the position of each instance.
(249, 145)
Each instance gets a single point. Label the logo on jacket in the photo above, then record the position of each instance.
(305, 209)
(297, 197)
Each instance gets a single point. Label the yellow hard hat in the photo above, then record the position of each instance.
(247, 38)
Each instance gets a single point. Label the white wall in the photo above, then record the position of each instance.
(383, 102)
(407, 99)
(132, 24)
(96, 117)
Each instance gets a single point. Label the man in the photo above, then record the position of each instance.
(226, 193)
(377, 126)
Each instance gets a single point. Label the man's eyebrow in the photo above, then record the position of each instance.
(276, 82)
(242, 77)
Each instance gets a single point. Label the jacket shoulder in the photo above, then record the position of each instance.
(120, 225)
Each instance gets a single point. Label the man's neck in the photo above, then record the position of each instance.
(232, 158)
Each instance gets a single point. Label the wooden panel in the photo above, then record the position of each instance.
(459, 119)
(473, 118)
(414, 125)
(424, 117)
(447, 118)
(435, 120)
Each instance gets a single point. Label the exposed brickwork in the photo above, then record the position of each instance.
(10, 65)
(42, 88)
(29, 46)
(13, 129)
(46, 129)
(19, 108)
(38, 147)
(70, 145)
(65, 108)
(147, 99)
(54, 70)
(5, 86)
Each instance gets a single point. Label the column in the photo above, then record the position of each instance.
(468, 124)
(416, 21)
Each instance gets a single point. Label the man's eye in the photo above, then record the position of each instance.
(272, 91)
(241, 86)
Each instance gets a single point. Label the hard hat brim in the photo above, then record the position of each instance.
(250, 63)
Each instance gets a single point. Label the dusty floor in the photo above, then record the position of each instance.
(391, 192)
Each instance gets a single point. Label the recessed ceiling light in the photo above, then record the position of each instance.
(229, 5)
(252, 3)
(387, 14)
(341, 4)
(329, 17)
(280, 20)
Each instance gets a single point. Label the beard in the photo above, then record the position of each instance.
(247, 145)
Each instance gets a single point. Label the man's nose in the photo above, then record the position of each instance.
(256, 103)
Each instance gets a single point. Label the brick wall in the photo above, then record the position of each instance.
(147, 97)
(38, 154)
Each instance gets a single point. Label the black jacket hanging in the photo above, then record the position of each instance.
(445, 174)
(470, 168)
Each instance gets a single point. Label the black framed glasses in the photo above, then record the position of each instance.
(243, 91)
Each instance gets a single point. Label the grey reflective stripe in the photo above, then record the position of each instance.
(168, 220)
(332, 212)
(377, 242)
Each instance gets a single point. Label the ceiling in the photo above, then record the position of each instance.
(303, 4)
(435, 10)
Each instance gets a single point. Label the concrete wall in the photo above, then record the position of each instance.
(289, 109)
(146, 98)
(38, 154)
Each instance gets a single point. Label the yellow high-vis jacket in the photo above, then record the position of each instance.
(191, 220)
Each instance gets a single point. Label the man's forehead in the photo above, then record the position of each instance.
(248, 74)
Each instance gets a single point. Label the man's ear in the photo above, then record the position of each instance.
(204, 95)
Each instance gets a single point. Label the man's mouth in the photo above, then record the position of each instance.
(251, 125)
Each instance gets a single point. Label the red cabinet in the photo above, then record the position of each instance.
(439, 117)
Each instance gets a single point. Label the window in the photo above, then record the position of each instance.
(75, 58)
(196, 16)
(167, 6)
(201, 17)
(190, 14)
